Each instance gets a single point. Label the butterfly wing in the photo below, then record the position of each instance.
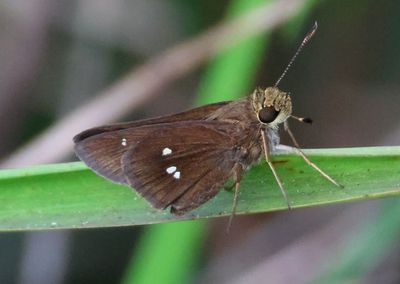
(198, 113)
(103, 152)
(181, 164)
(101, 148)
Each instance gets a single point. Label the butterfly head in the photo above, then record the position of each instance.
(272, 106)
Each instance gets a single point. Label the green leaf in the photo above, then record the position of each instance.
(72, 196)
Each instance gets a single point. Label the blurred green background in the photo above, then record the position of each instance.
(56, 55)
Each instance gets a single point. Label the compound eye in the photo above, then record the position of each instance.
(267, 114)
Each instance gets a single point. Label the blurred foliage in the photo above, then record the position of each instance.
(366, 248)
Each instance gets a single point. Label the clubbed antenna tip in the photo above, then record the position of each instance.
(306, 39)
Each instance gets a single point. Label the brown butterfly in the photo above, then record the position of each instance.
(182, 160)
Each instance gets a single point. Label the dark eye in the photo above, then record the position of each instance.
(267, 114)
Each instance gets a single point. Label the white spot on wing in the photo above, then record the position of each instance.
(177, 175)
(171, 170)
(166, 151)
(123, 142)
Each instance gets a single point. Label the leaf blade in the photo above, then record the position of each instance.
(71, 196)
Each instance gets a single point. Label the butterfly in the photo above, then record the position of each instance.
(181, 161)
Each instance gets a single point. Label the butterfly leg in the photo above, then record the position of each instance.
(305, 158)
(269, 162)
(237, 175)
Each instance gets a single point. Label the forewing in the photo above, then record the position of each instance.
(181, 162)
(101, 148)
(199, 113)
(103, 152)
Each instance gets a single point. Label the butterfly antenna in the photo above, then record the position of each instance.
(306, 39)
